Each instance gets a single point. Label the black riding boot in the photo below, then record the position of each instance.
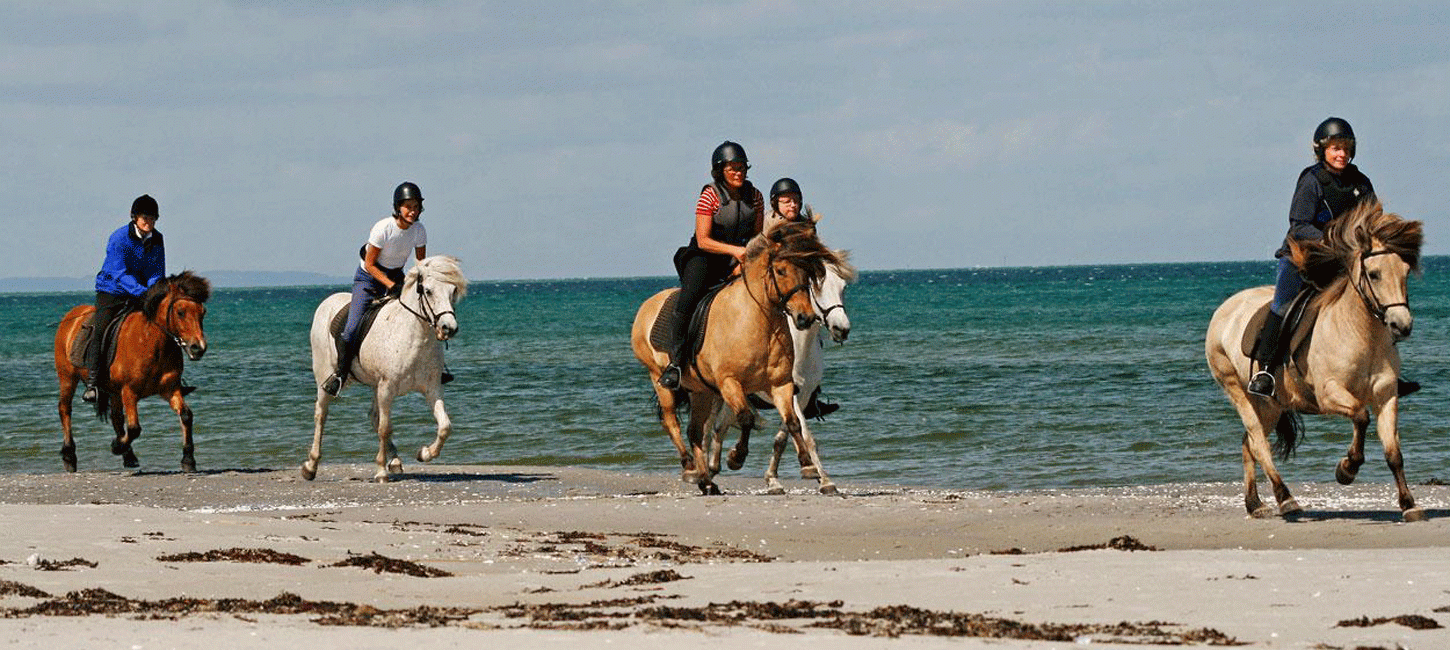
(93, 371)
(344, 367)
(1266, 352)
(818, 408)
(670, 376)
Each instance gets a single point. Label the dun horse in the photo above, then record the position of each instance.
(402, 353)
(1346, 365)
(829, 299)
(147, 362)
(746, 348)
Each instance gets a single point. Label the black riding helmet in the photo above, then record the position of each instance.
(784, 186)
(407, 191)
(144, 205)
(1333, 128)
(727, 152)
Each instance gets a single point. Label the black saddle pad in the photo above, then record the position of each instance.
(662, 334)
(109, 332)
(1298, 323)
(370, 314)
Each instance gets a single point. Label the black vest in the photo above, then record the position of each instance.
(1341, 192)
(734, 221)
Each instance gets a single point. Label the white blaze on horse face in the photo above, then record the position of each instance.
(829, 295)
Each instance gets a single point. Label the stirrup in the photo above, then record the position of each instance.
(1257, 385)
(670, 377)
(333, 385)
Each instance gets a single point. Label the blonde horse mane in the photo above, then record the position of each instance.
(1325, 262)
(446, 267)
(798, 244)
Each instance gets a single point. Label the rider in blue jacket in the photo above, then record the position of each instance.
(135, 260)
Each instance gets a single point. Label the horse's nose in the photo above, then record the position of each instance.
(1401, 331)
(803, 321)
(839, 334)
(446, 329)
(196, 349)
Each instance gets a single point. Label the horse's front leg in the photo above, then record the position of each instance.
(734, 396)
(1386, 425)
(806, 448)
(124, 406)
(382, 412)
(434, 396)
(183, 412)
(1348, 467)
(319, 421)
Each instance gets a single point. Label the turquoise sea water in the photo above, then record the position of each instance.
(964, 378)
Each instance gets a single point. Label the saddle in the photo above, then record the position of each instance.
(1294, 333)
(662, 334)
(339, 321)
(109, 332)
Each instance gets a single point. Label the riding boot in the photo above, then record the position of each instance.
(93, 372)
(670, 376)
(1266, 353)
(1406, 387)
(818, 408)
(333, 385)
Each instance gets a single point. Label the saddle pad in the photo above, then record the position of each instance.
(82, 340)
(662, 334)
(1298, 323)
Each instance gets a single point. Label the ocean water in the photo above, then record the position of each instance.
(1015, 378)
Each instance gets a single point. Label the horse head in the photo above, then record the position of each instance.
(177, 306)
(1371, 251)
(437, 284)
(829, 296)
(788, 260)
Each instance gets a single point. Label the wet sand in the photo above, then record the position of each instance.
(567, 557)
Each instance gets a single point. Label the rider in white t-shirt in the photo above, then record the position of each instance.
(380, 272)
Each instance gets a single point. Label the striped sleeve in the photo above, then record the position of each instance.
(709, 202)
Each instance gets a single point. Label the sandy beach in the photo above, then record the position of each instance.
(486, 556)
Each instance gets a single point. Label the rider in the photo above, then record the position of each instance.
(785, 207)
(1326, 190)
(728, 213)
(135, 260)
(381, 270)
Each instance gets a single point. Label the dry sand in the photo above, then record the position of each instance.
(572, 558)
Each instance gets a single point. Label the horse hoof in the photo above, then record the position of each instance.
(118, 448)
(1262, 512)
(829, 489)
(308, 474)
(381, 478)
(1343, 474)
(70, 466)
(1289, 507)
(810, 471)
(710, 489)
(736, 459)
(188, 466)
(1415, 514)
(775, 489)
(129, 461)
(424, 456)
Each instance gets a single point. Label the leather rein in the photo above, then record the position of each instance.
(1366, 290)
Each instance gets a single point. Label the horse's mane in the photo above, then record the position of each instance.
(186, 283)
(844, 267)
(445, 267)
(799, 245)
(1325, 262)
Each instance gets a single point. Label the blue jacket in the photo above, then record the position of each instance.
(131, 265)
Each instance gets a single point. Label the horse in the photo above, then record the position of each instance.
(402, 353)
(828, 299)
(746, 347)
(147, 361)
(1347, 365)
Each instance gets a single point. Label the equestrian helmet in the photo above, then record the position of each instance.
(784, 186)
(1333, 128)
(407, 191)
(727, 152)
(144, 205)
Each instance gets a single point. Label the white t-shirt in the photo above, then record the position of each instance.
(395, 243)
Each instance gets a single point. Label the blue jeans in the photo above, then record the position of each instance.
(1286, 286)
(364, 288)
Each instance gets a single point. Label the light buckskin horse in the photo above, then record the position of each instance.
(828, 297)
(147, 362)
(1347, 365)
(746, 348)
(402, 353)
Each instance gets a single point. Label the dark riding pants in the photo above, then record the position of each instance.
(1286, 286)
(108, 305)
(699, 271)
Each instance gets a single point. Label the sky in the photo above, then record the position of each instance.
(571, 139)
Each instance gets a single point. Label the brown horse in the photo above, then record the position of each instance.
(147, 362)
(747, 346)
(1345, 365)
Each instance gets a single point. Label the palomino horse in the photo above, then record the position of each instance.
(828, 296)
(402, 353)
(1347, 365)
(746, 347)
(147, 362)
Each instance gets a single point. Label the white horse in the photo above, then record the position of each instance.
(402, 353)
(828, 296)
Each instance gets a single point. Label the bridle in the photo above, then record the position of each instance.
(1366, 290)
(783, 297)
(825, 311)
(166, 327)
(425, 310)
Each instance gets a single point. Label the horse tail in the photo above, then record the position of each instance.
(103, 403)
(1288, 433)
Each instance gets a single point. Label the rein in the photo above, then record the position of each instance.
(167, 328)
(1366, 290)
(425, 311)
(783, 297)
